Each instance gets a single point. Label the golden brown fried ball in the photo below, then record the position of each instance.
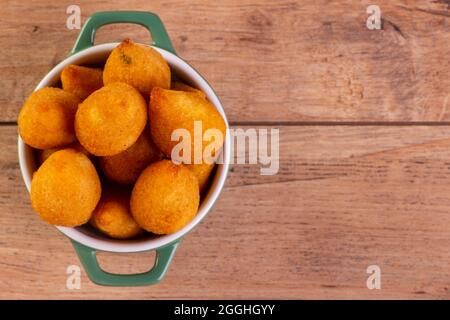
(65, 189)
(46, 118)
(111, 119)
(44, 154)
(126, 166)
(138, 65)
(170, 110)
(165, 197)
(202, 172)
(112, 216)
(180, 86)
(81, 81)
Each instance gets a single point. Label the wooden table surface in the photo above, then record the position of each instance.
(364, 150)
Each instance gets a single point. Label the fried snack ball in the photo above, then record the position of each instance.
(65, 189)
(46, 118)
(180, 86)
(111, 119)
(112, 216)
(44, 154)
(171, 110)
(81, 81)
(202, 172)
(138, 65)
(125, 167)
(165, 197)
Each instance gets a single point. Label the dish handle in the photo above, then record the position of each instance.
(89, 261)
(148, 20)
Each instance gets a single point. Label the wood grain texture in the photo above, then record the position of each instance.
(346, 197)
(268, 60)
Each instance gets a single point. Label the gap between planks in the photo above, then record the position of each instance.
(339, 123)
(316, 123)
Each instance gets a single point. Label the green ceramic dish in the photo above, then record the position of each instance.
(86, 241)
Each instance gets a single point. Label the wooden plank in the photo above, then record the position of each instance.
(268, 61)
(346, 197)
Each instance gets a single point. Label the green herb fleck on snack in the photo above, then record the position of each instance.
(125, 59)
